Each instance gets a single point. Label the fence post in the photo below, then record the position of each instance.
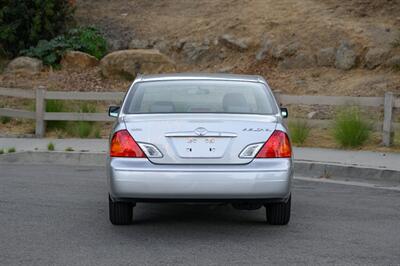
(40, 110)
(388, 133)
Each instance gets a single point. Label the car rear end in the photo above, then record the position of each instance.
(214, 138)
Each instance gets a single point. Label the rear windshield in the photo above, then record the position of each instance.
(198, 96)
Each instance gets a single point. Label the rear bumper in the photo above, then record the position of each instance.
(141, 180)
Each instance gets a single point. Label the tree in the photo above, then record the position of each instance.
(24, 22)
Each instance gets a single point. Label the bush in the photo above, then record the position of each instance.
(5, 119)
(56, 106)
(88, 40)
(23, 23)
(50, 52)
(299, 131)
(50, 146)
(81, 129)
(87, 108)
(11, 150)
(97, 133)
(350, 129)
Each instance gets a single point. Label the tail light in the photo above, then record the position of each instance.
(123, 145)
(277, 146)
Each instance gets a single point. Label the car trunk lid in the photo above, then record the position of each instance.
(200, 138)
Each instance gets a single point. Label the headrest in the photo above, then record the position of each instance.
(162, 107)
(236, 103)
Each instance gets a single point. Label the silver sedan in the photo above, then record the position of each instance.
(200, 138)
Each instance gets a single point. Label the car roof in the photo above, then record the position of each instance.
(202, 76)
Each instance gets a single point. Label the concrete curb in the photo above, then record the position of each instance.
(347, 172)
(309, 169)
(54, 157)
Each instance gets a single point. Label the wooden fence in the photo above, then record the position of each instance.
(40, 95)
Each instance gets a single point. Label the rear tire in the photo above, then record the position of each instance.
(120, 212)
(278, 213)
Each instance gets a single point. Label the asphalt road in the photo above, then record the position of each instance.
(58, 215)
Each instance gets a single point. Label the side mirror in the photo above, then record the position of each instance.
(284, 112)
(113, 111)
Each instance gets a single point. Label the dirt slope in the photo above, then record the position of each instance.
(306, 25)
(310, 24)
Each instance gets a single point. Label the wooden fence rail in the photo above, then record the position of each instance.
(40, 95)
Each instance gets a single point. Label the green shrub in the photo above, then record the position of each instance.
(1, 151)
(87, 108)
(88, 40)
(69, 149)
(23, 23)
(11, 150)
(50, 52)
(3, 53)
(50, 146)
(56, 106)
(350, 129)
(299, 131)
(81, 129)
(5, 119)
(97, 133)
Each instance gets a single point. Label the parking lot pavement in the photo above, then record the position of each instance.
(58, 215)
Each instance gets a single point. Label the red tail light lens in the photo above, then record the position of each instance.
(123, 145)
(277, 146)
